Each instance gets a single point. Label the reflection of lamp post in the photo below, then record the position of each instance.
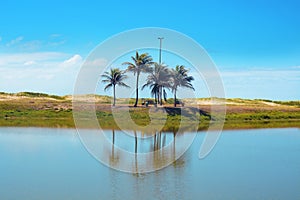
(160, 43)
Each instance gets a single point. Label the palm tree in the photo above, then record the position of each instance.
(114, 77)
(157, 79)
(141, 63)
(180, 78)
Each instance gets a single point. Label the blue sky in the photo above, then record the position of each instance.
(255, 44)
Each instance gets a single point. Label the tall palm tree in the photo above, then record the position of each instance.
(180, 78)
(142, 63)
(114, 77)
(157, 79)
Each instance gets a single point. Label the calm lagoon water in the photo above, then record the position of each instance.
(40, 163)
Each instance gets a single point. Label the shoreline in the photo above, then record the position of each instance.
(198, 132)
(230, 125)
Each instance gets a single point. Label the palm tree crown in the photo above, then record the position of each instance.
(142, 63)
(157, 79)
(114, 77)
(180, 78)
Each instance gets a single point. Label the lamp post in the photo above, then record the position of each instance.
(160, 44)
(160, 88)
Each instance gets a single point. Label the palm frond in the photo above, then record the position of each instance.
(108, 86)
(123, 85)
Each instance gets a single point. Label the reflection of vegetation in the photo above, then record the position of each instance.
(180, 162)
(114, 157)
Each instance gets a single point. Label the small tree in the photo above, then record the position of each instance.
(114, 77)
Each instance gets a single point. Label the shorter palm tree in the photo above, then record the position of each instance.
(180, 78)
(157, 80)
(114, 77)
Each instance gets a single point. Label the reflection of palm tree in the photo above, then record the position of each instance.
(141, 63)
(113, 159)
(180, 78)
(114, 77)
(113, 136)
(135, 136)
(158, 142)
(157, 80)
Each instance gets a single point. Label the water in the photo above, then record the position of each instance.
(40, 163)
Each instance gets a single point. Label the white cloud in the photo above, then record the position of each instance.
(74, 60)
(51, 72)
(18, 59)
(98, 62)
(15, 41)
(30, 63)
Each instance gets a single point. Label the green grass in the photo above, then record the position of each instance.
(64, 118)
(34, 94)
(43, 110)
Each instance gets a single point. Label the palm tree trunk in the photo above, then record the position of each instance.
(160, 91)
(137, 90)
(158, 96)
(114, 95)
(175, 98)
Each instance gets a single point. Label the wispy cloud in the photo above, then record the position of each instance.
(56, 43)
(33, 45)
(42, 71)
(290, 73)
(17, 59)
(296, 67)
(30, 63)
(55, 35)
(20, 44)
(268, 83)
(15, 41)
(56, 40)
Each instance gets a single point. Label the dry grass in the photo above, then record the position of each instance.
(36, 109)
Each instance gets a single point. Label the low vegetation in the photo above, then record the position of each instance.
(42, 110)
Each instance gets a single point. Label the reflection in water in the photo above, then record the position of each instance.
(141, 143)
(114, 158)
(246, 164)
(161, 145)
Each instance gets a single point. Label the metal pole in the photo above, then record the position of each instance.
(160, 88)
(160, 44)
